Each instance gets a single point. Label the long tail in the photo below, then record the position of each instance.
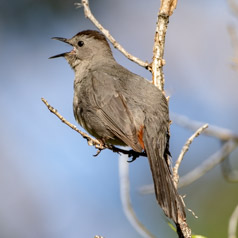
(165, 191)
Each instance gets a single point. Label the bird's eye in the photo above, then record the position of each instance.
(80, 43)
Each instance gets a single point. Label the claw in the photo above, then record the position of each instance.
(133, 159)
(97, 153)
(133, 155)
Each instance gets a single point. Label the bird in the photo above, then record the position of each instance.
(119, 107)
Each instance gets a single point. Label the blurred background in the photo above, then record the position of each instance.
(51, 186)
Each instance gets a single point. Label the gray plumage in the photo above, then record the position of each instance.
(119, 107)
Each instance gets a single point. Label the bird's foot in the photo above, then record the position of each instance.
(98, 152)
(132, 154)
(100, 147)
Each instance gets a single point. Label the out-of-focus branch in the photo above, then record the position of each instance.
(233, 34)
(224, 135)
(220, 133)
(230, 174)
(90, 16)
(230, 143)
(233, 224)
(233, 6)
(208, 164)
(125, 198)
(183, 152)
(202, 169)
(234, 39)
(214, 131)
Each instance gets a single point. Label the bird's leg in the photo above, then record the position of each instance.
(100, 147)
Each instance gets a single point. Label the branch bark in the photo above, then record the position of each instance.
(166, 10)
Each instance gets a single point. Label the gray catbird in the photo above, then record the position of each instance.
(119, 107)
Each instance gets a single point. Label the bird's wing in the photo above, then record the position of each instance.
(112, 109)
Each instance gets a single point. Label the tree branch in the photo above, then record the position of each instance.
(233, 224)
(126, 201)
(214, 131)
(230, 174)
(91, 141)
(88, 14)
(183, 152)
(202, 169)
(166, 9)
(208, 164)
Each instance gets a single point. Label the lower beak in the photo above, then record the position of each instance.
(63, 40)
(59, 55)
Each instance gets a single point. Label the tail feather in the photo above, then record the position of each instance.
(165, 191)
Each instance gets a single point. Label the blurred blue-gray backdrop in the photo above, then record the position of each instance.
(50, 184)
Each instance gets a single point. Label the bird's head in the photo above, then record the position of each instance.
(87, 46)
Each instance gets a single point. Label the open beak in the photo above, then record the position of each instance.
(63, 40)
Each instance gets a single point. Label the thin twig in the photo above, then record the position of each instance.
(183, 152)
(202, 169)
(233, 224)
(220, 133)
(90, 16)
(91, 141)
(125, 198)
(208, 164)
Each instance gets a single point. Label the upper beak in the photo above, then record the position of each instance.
(63, 40)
